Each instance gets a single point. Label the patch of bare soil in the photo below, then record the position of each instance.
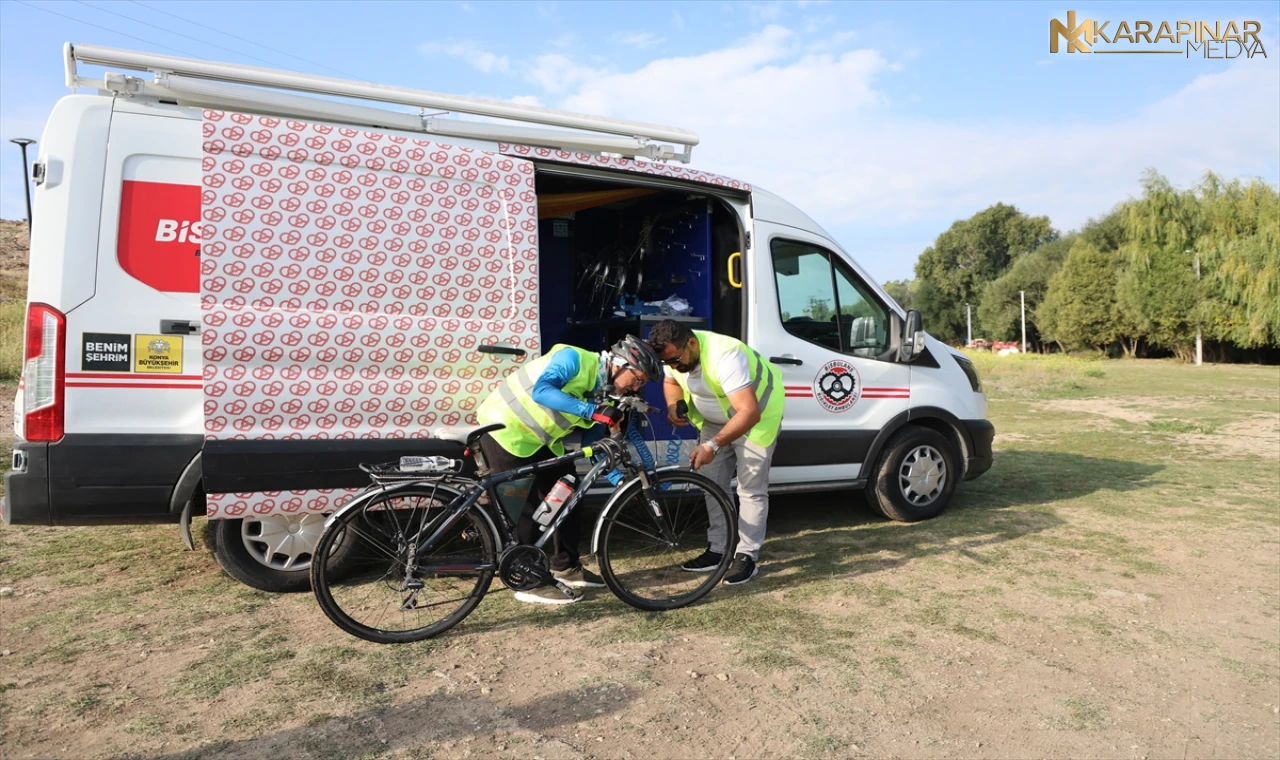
(7, 391)
(924, 642)
(1258, 436)
(13, 259)
(1111, 408)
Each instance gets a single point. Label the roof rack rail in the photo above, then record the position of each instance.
(190, 81)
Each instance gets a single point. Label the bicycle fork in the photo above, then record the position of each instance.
(655, 509)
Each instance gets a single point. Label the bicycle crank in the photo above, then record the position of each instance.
(524, 568)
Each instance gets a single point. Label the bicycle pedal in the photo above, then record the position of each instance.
(568, 590)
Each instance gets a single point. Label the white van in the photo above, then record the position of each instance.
(238, 294)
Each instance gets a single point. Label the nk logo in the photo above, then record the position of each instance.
(1202, 38)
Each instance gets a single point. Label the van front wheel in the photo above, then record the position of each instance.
(915, 475)
(271, 552)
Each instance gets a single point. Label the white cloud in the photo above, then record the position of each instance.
(557, 73)
(467, 7)
(470, 52)
(641, 40)
(527, 100)
(814, 24)
(817, 128)
(677, 20)
(765, 13)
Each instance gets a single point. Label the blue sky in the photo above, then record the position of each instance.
(886, 122)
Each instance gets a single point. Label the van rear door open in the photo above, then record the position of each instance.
(358, 291)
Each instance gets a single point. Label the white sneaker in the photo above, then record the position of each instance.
(546, 595)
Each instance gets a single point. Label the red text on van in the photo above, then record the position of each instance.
(159, 242)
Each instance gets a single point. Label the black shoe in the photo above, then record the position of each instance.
(741, 570)
(703, 563)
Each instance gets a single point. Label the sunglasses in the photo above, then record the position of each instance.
(677, 358)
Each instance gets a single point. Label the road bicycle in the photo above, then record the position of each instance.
(426, 547)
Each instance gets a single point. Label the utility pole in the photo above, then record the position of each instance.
(1199, 336)
(969, 317)
(23, 142)
(1022, 295)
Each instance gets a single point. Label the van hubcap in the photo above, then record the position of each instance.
(282, 542)
(922, 476)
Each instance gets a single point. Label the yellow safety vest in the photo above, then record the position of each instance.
(766, 381)
(529, 425)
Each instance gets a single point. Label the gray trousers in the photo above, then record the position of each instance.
(750, 463)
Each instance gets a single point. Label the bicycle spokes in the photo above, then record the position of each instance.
(400, 582)
(651, 536)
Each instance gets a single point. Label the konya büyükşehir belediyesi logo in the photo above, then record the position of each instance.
(1208, 39)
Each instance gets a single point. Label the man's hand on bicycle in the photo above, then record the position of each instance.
(608, 415)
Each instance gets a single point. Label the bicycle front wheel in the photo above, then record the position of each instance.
(392, 589)
(646, 539)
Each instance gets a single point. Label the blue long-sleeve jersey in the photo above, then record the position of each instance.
(548, 389)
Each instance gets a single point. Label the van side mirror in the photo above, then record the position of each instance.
(912, 338)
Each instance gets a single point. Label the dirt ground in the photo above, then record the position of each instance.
(1107, 590)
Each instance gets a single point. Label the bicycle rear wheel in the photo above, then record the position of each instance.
(383, 597)
(641, 562)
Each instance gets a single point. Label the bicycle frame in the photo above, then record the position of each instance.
(466, 494)
(489, 482)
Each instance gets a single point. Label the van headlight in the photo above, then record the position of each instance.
(970, 371)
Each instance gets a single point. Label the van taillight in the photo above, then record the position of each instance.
(44, 375)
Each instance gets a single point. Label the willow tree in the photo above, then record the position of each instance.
(1239, 251)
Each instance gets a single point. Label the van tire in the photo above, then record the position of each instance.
(917, 451)
(227, 537)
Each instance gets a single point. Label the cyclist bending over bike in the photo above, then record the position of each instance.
(541, 404)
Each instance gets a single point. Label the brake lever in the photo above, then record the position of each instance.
(635, 404)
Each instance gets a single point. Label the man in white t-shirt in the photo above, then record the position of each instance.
(734, 398)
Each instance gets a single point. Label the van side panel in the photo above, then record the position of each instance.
(358, 290)
(131, 426)
(64, 233)
(116, 385)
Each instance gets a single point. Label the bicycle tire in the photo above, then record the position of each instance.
(623, 541)
(377, 567)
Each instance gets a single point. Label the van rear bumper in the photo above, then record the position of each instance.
(981, 434)
(97, 479)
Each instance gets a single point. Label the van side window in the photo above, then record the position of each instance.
(863, 322)
(821, 301)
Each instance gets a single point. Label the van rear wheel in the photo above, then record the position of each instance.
(915, 476)
(273, 552)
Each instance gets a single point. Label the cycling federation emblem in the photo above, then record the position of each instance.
(837, 386)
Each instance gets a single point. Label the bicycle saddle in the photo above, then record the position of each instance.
(465, 434)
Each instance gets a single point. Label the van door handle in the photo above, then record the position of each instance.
(178, 327)
(501, 350)
(786, 360)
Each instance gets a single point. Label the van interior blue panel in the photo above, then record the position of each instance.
(678, 263)
(555, 279)
(683, 260)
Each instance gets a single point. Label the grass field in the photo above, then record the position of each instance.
(1110, 589)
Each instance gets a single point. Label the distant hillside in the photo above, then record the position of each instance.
(13, 259)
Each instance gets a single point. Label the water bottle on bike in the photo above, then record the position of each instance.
(560, 493)
(426, 464)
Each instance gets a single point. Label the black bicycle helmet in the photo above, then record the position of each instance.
(636, 354)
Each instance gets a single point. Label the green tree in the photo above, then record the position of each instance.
(901, 291)
(1000, 308)
(1107, 233)
(1079, 307)
(974, 251)
(1239, 251)
(1159, 290)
